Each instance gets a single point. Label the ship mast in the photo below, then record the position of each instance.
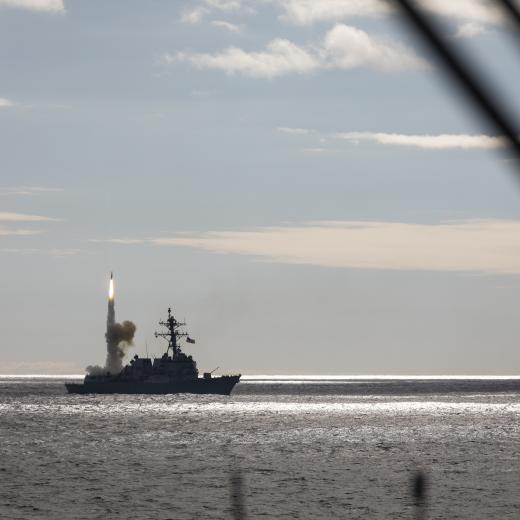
(173, 335)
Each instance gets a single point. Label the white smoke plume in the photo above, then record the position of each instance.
(119, 337)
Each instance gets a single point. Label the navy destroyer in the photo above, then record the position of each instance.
(172, 373)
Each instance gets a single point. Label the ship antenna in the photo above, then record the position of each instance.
(173, 334)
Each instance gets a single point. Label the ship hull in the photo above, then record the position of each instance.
(217, 385)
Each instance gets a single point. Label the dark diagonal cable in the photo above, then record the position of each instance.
(488, 107)
(419, 489)
(512, 10)
(238, 508)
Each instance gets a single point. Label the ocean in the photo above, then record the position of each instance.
(287, 447)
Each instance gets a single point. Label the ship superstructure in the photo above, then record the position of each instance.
(173, 372)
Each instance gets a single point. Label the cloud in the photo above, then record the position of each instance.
(16, 250)
(316, 150)
(344, 47)
(294, 131)
(7, 232)
(308, 12)
(10, 218)
(469, 30)
(53, 6)
(27, 190)
(430, 142)
(347, 47)
(22, 217)
(196, 13)
(479, 11)
(121, 241)
(231, 27)
(54, 252)
(225, 5)
(479, 246)
(66, 252)
(279, 58)
(6, 103)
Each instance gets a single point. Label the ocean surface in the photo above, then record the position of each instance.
(301, 448)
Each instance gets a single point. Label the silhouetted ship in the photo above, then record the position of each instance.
(169, 374)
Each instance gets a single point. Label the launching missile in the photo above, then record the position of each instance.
(111, 288)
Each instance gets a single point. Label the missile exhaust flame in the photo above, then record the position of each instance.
(119, 336)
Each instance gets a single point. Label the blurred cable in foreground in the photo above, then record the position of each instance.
(490, 109)
(512, 11)
(238, 508)
(419, 488)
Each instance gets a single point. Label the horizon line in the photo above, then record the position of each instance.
(302, 377)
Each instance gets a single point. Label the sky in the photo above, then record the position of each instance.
(297, 179)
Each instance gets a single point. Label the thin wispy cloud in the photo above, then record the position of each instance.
(222, 24)
(6, 216)
(316, 150)
(470, 30)
(344, 47)
(121, 241)
(19, 251)
(294, 131)
(6, 103)
(197, 12)
(54, 252)
(308, 12)
(51, 6)
(9, 103)
(428, 142)
(66, 252)
(424, 141)
(8, 232)
(27, 190)
(8, 219)
(478, 246)
(194, 15)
